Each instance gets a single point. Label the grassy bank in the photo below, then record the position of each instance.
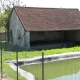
(9, 53)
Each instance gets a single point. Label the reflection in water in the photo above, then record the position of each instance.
(69, 77)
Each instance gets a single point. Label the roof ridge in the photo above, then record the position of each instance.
(46, 8)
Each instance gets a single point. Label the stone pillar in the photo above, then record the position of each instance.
(27, 40)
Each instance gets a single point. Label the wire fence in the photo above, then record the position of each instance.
(39, 68)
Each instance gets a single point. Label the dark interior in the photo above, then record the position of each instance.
(58, 38)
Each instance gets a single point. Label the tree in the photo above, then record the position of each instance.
(5, 9)
(2, 20)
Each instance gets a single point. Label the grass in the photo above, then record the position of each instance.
(53, 70)
(9, 53)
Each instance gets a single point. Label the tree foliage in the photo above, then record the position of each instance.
(5, 9)
(2, 19)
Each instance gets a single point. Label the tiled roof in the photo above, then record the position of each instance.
(48, 19)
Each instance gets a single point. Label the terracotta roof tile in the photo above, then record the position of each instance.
(48, 19)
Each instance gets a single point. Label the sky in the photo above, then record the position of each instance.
(53, 3)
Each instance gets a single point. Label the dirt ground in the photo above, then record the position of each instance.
(5, 78)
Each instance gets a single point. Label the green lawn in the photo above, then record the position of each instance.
(54, 69)
(9, 53)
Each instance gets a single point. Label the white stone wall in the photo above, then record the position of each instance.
(17, 28)
(27, 39)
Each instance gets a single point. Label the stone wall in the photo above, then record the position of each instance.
(17, 30)
(27, 39)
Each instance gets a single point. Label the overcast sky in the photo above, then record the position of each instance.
(53, 3)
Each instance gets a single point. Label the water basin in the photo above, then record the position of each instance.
(69, 77)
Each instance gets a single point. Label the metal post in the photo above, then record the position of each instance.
(42, 66)
(1, 63)
(5, 39)
(17, 61)
(5, 33)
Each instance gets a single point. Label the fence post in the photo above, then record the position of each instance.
(17, 60)
(1, 62)
(5, 39)
(42, 66)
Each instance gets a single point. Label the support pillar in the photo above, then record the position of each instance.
(27, 40)
(62, 38)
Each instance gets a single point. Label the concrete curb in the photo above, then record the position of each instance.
(55, 57)
(23, 73)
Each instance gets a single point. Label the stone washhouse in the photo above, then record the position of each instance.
(31, 27)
